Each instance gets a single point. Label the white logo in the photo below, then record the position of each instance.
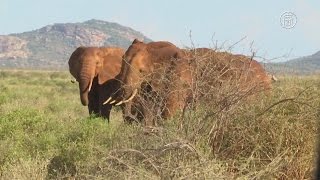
(288, 20)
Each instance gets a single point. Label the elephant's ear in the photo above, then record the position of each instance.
(179, 55)
(135, 41)
(110, 68)
(74, 62)
(185, 57)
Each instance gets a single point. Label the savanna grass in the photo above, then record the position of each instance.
(45, 132)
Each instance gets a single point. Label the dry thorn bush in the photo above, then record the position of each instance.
(234, 112)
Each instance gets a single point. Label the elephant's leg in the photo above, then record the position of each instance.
(148, 116)
(129, 113)
(105, 111)
(146, 111)
(172, 104)
(104, 92)
(93, 105)
(137, 111)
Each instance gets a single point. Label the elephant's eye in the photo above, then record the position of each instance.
(143, 71)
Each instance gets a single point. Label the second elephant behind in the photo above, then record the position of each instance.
(159, 75)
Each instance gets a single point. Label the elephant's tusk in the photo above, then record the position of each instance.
(72, 81)
(90, 86)
(273, 78)
(132, 96)
(119, 103)
(109, 99)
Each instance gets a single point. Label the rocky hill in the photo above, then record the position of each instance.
(51, 46)
(300, 66)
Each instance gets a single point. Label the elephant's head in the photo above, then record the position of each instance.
(86, 63)
(139, 62)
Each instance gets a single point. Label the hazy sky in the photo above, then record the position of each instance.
(224, 21)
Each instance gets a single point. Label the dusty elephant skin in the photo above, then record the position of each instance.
(95, 68)
(215, 68)
(160, 75)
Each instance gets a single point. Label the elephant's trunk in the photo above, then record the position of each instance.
(127, 107)
(85, 84)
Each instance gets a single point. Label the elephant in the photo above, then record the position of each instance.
(160, 75)
(95, 69)
(245, 70)
(223, 78)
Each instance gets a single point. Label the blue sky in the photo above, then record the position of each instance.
(210, 21)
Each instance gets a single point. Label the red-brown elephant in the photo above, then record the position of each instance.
(160, 75)
(245, 71)
(223, 79)
(95, 68)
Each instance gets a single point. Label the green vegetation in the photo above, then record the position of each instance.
(45, 132)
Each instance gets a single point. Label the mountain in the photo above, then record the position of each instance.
(299, 66)
(51, 46)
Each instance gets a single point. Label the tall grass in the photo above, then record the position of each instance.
(45, 132)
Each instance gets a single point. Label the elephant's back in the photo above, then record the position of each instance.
(160, 44)
(115, 51)
(252, 70)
